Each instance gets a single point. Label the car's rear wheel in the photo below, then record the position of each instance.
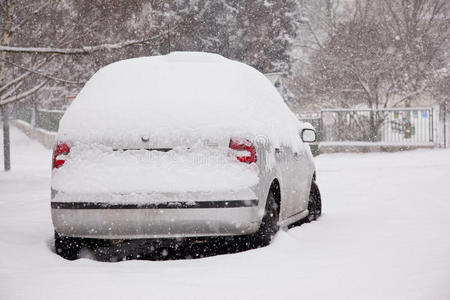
(67, 247)
(315, 203)
(269, 224)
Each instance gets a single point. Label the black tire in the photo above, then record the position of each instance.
(67, 247)
(269, 224)
(314, 204)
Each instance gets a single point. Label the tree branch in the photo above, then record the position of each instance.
(23, 95)
(14, 81)
(7, 100)
(31, 16)
(419, 91)
(306, 46)
(26, 74)
(363, 84)
(81, 50)
(13, 90)
(2, 7)
(316, 38)
(40, 74)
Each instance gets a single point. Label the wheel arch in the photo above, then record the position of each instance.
(275, 189)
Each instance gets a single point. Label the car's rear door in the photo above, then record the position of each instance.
(301, 177)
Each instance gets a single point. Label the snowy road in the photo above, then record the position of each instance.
(385, 234)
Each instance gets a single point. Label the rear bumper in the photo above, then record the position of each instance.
(131, 217)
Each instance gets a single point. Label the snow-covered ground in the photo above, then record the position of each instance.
(384, 234)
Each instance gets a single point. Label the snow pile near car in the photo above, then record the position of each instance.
(185, 95)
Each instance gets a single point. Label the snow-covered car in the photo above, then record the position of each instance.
(185, 145)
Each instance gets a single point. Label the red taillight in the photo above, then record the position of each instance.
(60, 149)
(244, 145)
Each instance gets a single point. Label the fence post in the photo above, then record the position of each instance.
(432, 125)
(6, 141)
(33, 116)
(445, 124)
(320, 129)
(372, 133)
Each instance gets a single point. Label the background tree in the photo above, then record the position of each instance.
(42, 44)
(387, 54)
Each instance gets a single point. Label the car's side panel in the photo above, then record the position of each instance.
(282, 167)
(287, 169)
(304, 171)
(293, 172)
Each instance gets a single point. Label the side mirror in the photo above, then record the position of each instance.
(308, 135)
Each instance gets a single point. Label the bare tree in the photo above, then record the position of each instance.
(318, 20)
(387, 54)
(37, 40)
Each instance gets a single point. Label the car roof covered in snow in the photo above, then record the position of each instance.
(184, 94)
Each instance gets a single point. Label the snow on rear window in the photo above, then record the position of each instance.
(196, 95)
